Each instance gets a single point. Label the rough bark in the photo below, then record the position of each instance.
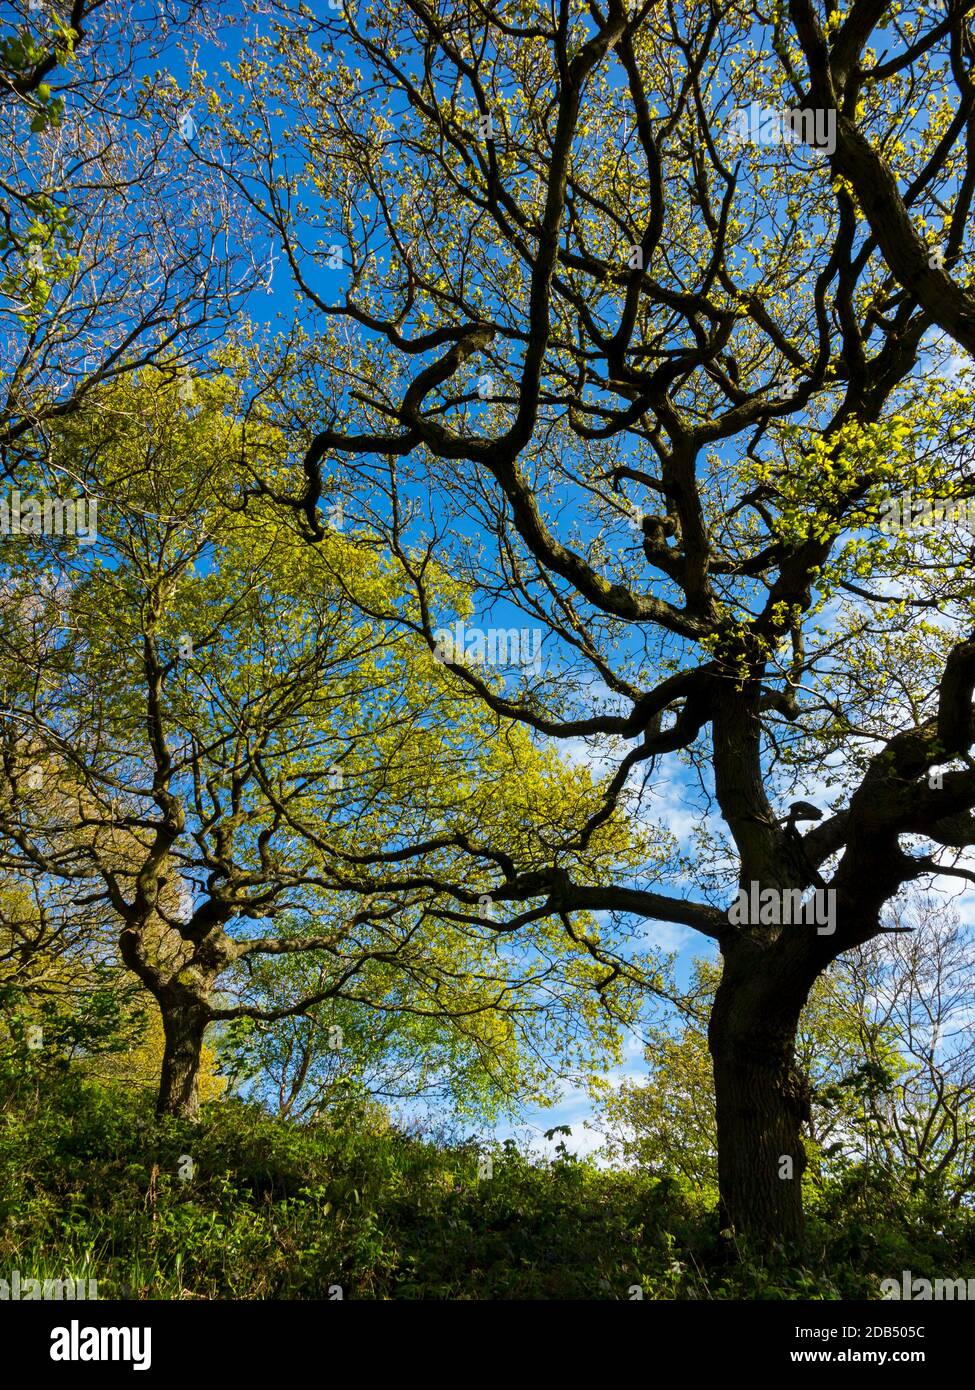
(761, 1096)
(761, 1103)
(184, 1024)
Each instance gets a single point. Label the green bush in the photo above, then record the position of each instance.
(243, 1205)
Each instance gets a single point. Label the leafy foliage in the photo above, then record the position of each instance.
(275, 1209)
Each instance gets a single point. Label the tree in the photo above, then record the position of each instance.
(243, 762)
(62, 1003)
(917, 1136)
(884, 1044)
(657, 389)
(116, 248)
(300, 1065)
(902, 187)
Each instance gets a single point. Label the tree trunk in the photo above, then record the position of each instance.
(761, 1101)
(184, 1025)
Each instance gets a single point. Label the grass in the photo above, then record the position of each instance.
(245, 1206)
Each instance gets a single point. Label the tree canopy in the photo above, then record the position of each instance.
(628, 338)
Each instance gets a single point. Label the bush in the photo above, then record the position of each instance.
(243, 1205)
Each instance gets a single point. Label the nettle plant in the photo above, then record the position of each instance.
(606, 364)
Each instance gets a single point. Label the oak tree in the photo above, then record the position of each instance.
(660, 382)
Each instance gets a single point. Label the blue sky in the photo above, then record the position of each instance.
(678, 803)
